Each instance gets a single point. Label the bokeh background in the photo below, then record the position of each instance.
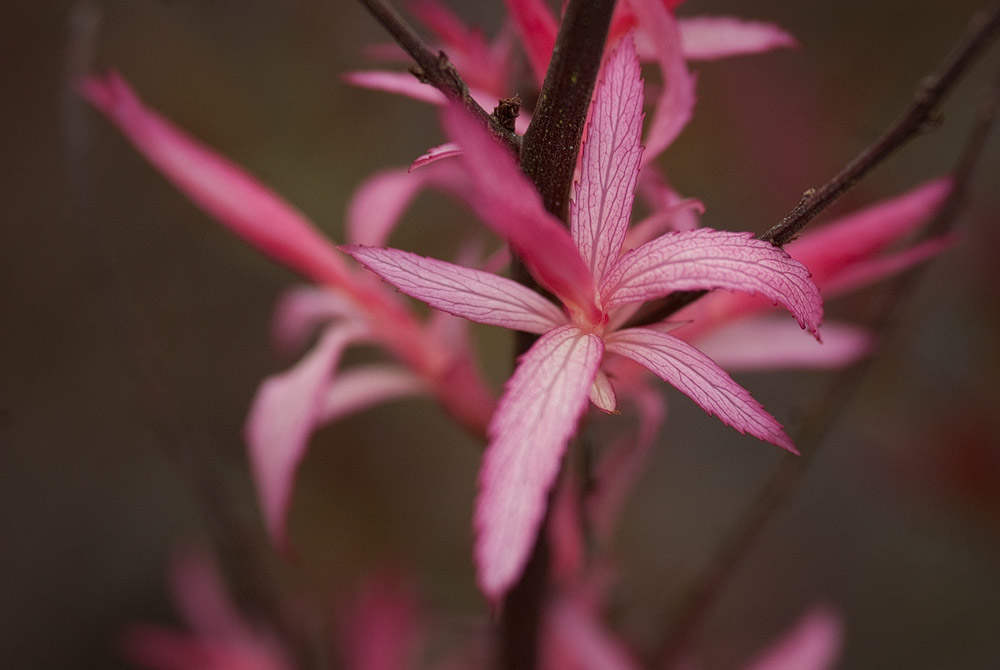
(129, 317)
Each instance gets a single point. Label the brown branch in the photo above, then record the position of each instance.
(548, 156)
(435, 69)
(552, 141)
(921, 117)
(784, 479)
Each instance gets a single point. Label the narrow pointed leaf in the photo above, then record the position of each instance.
(873, 270)
(578, 638)
(813, 644)
(770, 343)
(609, 165)
(714, 37)
(221, 188)
(449, 28)
(836, 246)
(302, 310)
(537, 29)
(603, 395)
(434, 154)
(382, 628)
(379, 202)
(402, 83)
(198, 592)
(706, 259)
(284, 413)
(509, 204)
(528, 435)
(472, 294)
(661, 39)
(697, 376)
(365, 386)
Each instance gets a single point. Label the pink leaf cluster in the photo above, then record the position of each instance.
(661, 38)
(350, 308)
(595, 282)
(600, 272)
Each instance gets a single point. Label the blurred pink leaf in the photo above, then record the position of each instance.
(714, 37)
(224, 190)
(528, 434)
(284, 413)
(813, 644)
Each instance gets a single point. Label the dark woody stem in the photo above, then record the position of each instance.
(552, 142)
(920, 117)
(435, 69)
(548, 156)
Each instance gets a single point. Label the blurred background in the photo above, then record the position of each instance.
(130, 318)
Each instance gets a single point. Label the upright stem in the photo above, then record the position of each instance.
(552, 142)
(548, 156)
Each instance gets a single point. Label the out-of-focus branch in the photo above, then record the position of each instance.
(920, 117)
(435, 69)
(787, 475)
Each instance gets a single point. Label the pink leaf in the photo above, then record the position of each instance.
(707, 259)
(284, 413)
(377, 205)
(303, 309)
(448, 27)
(381, 630)
(675, 105)
(829, 250)
(528, 434)
(161, 649)
(362, 387)
(405, 84)
(509, 204)
(765, 343)
(870, 271)
(472, 294)
(577, 639)
(681, 215)
(609, 165)
(446, 150)
(698, 377)
(482, 66)
(222, 189)
(602, 394)
(199, 595)
(219, 639)
(402, 83)
(813, 644)
(714, 37)
(537, 29)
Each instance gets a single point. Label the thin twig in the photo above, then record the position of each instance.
(920, 117)
(435, 69)
(788, 474)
